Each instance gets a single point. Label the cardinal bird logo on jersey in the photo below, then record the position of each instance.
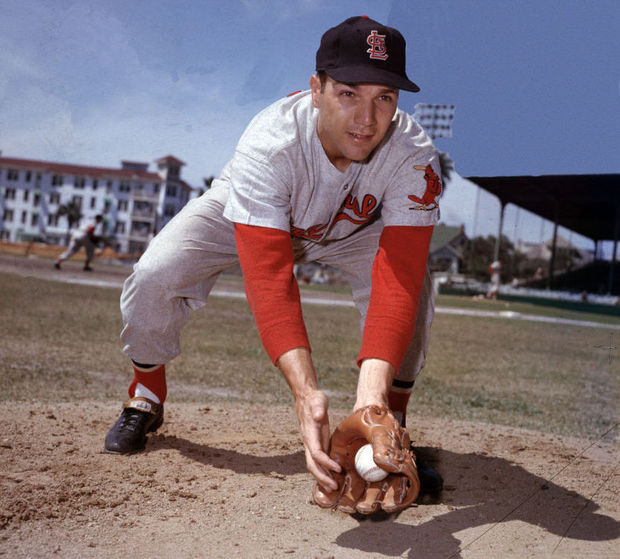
(428, 201)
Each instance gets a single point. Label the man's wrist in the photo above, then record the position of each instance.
(298, 370)
(374, 383)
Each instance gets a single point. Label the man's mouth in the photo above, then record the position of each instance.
(360, 137)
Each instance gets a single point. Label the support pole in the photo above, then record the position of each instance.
(553, 249)
(499, 231)
(613, 255)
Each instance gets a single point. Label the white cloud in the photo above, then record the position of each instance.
(80, 93)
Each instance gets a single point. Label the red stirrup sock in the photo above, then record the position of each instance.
(149, 381)
(398, 398)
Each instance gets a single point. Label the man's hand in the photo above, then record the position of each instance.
(311, 407)
(314, 425)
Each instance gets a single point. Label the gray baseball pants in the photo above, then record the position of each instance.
(76, 244)
(183, 262)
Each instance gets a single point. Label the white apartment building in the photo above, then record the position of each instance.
(135, 203)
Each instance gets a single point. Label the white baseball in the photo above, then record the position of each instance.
(366, 467)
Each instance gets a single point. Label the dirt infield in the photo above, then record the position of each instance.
(229, 479)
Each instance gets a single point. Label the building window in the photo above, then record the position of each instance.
(7, 215)
(140, 228)
(57, 180)
(55, 198)
(34, 220)
(9, 193)
(120, 228)
(28, 176)
(122, 205)
(95, 184)
(106, 206)
(79, 182)
(24, 217)
(52, 220)
(124, 187)
(108, 187)
(169, 210)
(12, 174)
(156, 188)
(77, 200)
(93, 202)
(37, 199)
(26, 195)
(171, 190)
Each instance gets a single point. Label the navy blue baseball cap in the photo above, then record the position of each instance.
(361, 50)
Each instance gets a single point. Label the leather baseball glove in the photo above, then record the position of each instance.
(390, 442)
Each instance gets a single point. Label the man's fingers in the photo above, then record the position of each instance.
(325, 436)
(319, 465)
(325, 461)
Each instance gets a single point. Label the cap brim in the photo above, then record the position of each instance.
(366, 74)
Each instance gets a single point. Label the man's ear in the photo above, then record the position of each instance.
(315, 87)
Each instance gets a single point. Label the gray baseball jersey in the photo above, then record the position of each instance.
(280, 176)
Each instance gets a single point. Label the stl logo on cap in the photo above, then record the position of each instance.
(377, 48)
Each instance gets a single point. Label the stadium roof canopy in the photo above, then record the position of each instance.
(586, 204)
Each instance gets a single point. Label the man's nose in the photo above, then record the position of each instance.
(365, 113)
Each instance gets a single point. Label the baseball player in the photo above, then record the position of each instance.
(338, 175)
(495, 271)
(87, 236)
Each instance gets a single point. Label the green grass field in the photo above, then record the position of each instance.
(60, 342)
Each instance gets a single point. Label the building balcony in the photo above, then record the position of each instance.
(138, 236)
(148, 214)
(143, 196)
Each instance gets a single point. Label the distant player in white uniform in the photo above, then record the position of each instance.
(338, 175)
(86, 236)
(495, 271)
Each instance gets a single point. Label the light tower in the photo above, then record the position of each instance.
(435, 119)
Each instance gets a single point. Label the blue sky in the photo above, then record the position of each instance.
(536, 84)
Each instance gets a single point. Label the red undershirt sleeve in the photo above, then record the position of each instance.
(266, 258)
(398, 274)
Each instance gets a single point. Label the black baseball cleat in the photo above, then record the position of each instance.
(431, 483)
(139, 417)
(87, 268)
(57, 266)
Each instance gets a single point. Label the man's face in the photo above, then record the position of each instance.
(353, 119)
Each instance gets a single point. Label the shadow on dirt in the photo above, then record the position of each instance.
(512, 493)
(238, 462)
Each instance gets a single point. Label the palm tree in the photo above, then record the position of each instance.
(208, 181)
(447, 168)
(73, 212)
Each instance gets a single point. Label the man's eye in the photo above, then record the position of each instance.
(347, 93)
